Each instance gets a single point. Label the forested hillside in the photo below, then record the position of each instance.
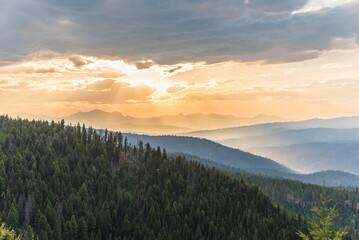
(301, 198)
(210, 150)
(60, 182)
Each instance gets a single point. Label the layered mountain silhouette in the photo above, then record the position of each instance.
(165, 124)
(305, 146)
(268, 128)
(329, 146)
(209, 150)
(212, 154)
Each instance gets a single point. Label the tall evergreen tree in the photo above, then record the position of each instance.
(322, 227)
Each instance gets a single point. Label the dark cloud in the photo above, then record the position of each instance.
(173, 31)
(78, 61)
(172, 70)
(143, 64)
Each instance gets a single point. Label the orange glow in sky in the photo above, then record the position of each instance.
(327, 86)
(295, 59)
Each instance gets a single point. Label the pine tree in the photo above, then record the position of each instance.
(13, 216)
(43, 235)
(322, 227)
(74, 227)
(82, 230)
(29, 234)
(84, 134)
(57, 231)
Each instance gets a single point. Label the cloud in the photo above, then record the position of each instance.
(13, 86)
(335, 66)
(78, 61)
(96, 92)
(172, 70)
(335, 91)
(174, 89)
(110, 92)
(245, 95)
(144, 64)
(317, 5)
(172, 31)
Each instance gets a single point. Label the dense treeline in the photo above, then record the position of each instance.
(212, 151)
(300, 198)
(63, 182)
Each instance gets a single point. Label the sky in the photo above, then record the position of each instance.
(294, 59)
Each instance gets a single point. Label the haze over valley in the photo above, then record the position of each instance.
(305, 146)
(285, 149)
(211, 119)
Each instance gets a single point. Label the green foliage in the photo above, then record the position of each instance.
(7, 234)
(300, 198)
(63, 182)
(29, 234)
(322, 227)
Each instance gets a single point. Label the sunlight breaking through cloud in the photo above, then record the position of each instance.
(139, 88)
(317, 5)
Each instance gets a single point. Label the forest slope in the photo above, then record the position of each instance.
(301, 198)
(330, 177)
(62, 182)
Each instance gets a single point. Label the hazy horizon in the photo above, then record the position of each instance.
(173, 67)
(205, 119)
(29, 115)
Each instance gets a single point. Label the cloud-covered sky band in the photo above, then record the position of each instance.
(195, 55)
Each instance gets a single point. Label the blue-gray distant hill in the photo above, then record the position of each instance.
(269, 128)
(315, 156)
(209, 150)
(283, 137)
(212, 154)
(331, 178)
(304, 146)
(306, 150)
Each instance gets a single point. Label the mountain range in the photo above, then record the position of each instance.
(269, 128)
(305, 146)
(212, 154)
(209, 150)
(165, 124)
(318, 145)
